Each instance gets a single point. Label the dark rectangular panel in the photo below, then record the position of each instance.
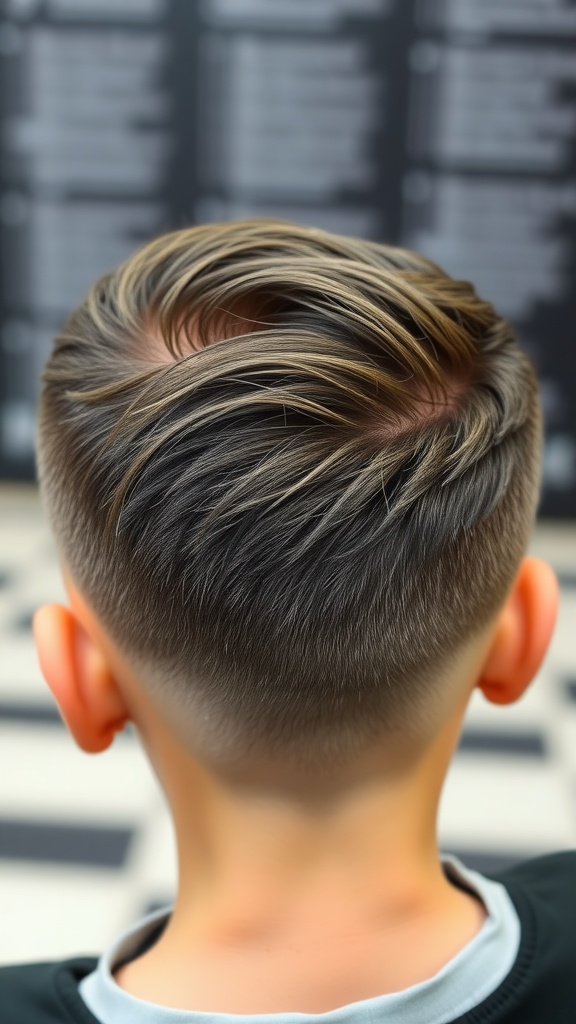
(87, 140)
(490, 184)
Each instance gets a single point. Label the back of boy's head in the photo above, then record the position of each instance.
(293, 474)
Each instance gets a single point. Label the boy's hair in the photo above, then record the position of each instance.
(292, 473)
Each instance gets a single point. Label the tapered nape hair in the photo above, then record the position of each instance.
(293, 474)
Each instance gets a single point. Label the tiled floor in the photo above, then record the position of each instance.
(85, 843)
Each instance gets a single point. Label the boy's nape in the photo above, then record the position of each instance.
(293, 476)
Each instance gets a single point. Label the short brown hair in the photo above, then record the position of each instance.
(292, 473)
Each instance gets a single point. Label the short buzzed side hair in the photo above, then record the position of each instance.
(292, 473)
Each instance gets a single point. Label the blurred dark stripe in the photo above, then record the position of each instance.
(28, 713)
(487, 862)
(570, 689)
(513, 744)
(153, 905)
(23, 623)
(80, 845)
(39, 713)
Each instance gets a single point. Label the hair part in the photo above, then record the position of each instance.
(293, 473)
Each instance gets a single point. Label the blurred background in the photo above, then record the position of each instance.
(445, 125)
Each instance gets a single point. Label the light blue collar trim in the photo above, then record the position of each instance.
(464, 982)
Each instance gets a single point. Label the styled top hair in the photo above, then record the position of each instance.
(293, 473)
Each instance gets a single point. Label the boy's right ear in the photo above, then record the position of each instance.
(79, 677)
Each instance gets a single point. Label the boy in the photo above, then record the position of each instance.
(292, 478)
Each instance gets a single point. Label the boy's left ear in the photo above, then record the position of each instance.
(81, 681)
(522, 633)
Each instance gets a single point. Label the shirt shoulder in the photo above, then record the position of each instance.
(45, 993)
(549, 882)
(541, 987)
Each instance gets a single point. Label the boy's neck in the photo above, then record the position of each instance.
(266, 887)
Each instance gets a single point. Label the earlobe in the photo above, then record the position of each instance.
(79, 678)
(522, 633)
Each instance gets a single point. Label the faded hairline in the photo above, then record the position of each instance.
(293, 473)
